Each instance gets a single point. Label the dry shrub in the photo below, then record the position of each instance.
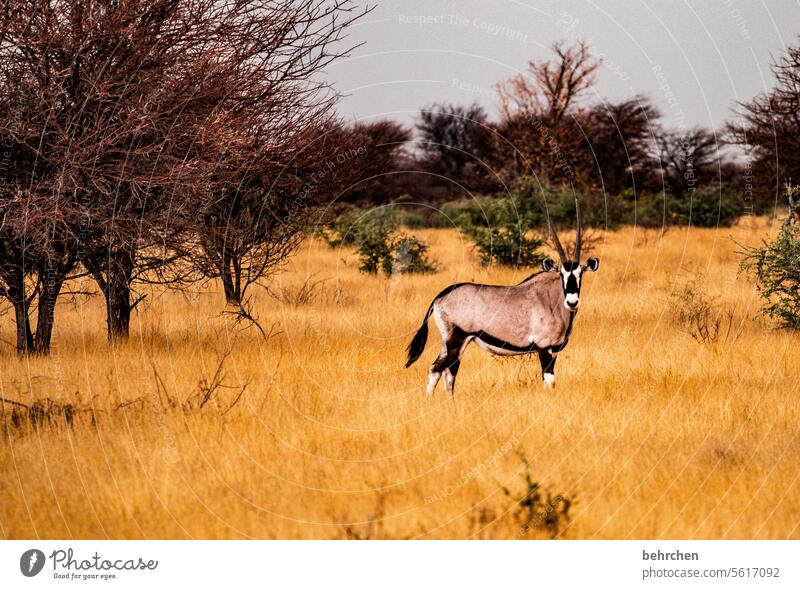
(646, 235)
(371, 529)
(703, 317)
(44, 411)
(305, 294)
(207, 392)
(538, 508)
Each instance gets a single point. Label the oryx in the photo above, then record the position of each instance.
(535, 315)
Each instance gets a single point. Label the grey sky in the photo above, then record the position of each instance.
(693, 58)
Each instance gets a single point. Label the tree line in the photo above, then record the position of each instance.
(549, 129)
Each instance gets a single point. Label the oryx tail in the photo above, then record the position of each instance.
(417, 345)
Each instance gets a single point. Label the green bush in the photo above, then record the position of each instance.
(603, 211)
(374, 248)
(482, 211)
(378, 244)
(506, 246)
(416, 217)
(705, 207)
(649, 211)
(776, 268)
(356, 226)
(394, 254)
(500, 231)
(408, 255)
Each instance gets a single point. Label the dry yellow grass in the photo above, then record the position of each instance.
(653, 434)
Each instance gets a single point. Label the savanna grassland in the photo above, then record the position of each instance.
(196, 428)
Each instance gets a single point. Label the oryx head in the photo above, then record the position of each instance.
(570, 271)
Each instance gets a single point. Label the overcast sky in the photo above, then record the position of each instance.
(693, 58)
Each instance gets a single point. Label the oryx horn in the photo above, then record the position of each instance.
(577, 254)
(556, 241)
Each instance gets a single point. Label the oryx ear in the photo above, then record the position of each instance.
(592, 264)
(549, 265)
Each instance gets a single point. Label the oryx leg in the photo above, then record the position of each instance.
(450, 377)
(548, 362)
(437, 367)
(447, 363)
(433, 379)
(455, 349)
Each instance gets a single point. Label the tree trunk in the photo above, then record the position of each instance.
(222, 260)
(118, 295)
(118, 308)
(227, 285)
(231, 276)
(52, 281)
(14, 279)
(24, 334)
(114, 274)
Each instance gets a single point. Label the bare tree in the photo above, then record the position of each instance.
(769, 127)
(689, 159)
(129, 121)
(552, 87)
(250, 227)
(535, 106)
(37, 256)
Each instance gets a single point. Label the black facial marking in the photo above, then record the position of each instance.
(570, 266)
(572, 284)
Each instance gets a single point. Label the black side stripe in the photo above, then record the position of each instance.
(563, 344)
(503, 345)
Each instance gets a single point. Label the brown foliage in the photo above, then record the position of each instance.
(133, 123)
